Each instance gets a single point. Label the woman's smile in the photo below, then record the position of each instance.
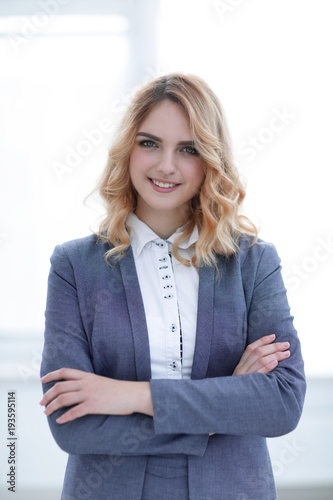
(163, 186)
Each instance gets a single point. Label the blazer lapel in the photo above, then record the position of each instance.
(204, 322)
(137, 316)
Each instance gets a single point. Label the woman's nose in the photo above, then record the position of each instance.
(167, 164)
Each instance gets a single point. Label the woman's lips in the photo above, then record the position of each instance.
(163, 186)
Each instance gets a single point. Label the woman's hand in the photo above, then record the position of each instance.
(262, 356)
(88, 393)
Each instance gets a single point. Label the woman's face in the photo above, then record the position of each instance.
(165, 168)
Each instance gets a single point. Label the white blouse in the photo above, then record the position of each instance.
(170, 298)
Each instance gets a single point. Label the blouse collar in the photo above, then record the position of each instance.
(141, 234)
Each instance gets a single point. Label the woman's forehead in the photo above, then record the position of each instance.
(167, 118)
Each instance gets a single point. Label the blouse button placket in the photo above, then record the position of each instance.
(170, 306)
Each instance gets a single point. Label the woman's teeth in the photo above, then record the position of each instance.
(163, 184)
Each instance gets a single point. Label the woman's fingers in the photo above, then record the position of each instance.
(267, 363)
(77, 411)
(58, 389)
(262, 356)
(63, 374)
(64, 400)
(66, 392)
(263, 341)
(89, 393)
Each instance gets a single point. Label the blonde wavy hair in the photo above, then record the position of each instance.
(216, 208)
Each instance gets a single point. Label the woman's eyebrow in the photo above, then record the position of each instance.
(150, 136)
(155, 138)
(186, 143)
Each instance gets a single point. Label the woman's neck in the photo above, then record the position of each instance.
(164, 224)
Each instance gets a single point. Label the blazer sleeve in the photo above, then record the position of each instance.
(67, 345)
(254, 404)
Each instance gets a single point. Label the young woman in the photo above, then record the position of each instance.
(170, 353)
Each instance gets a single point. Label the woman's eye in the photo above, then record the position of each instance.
(147, 144)
(190, 150)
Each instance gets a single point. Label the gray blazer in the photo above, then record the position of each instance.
(95, 322)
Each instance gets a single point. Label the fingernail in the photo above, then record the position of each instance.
(271, 336)
(285, 344)
(286, 354)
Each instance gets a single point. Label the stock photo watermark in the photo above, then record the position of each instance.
(225, 7)
(83, 148)
(290, 452)
(30, 370)
(11, 476)
(299, 273)
(277, 124)
(32, 25)
(120, 104)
